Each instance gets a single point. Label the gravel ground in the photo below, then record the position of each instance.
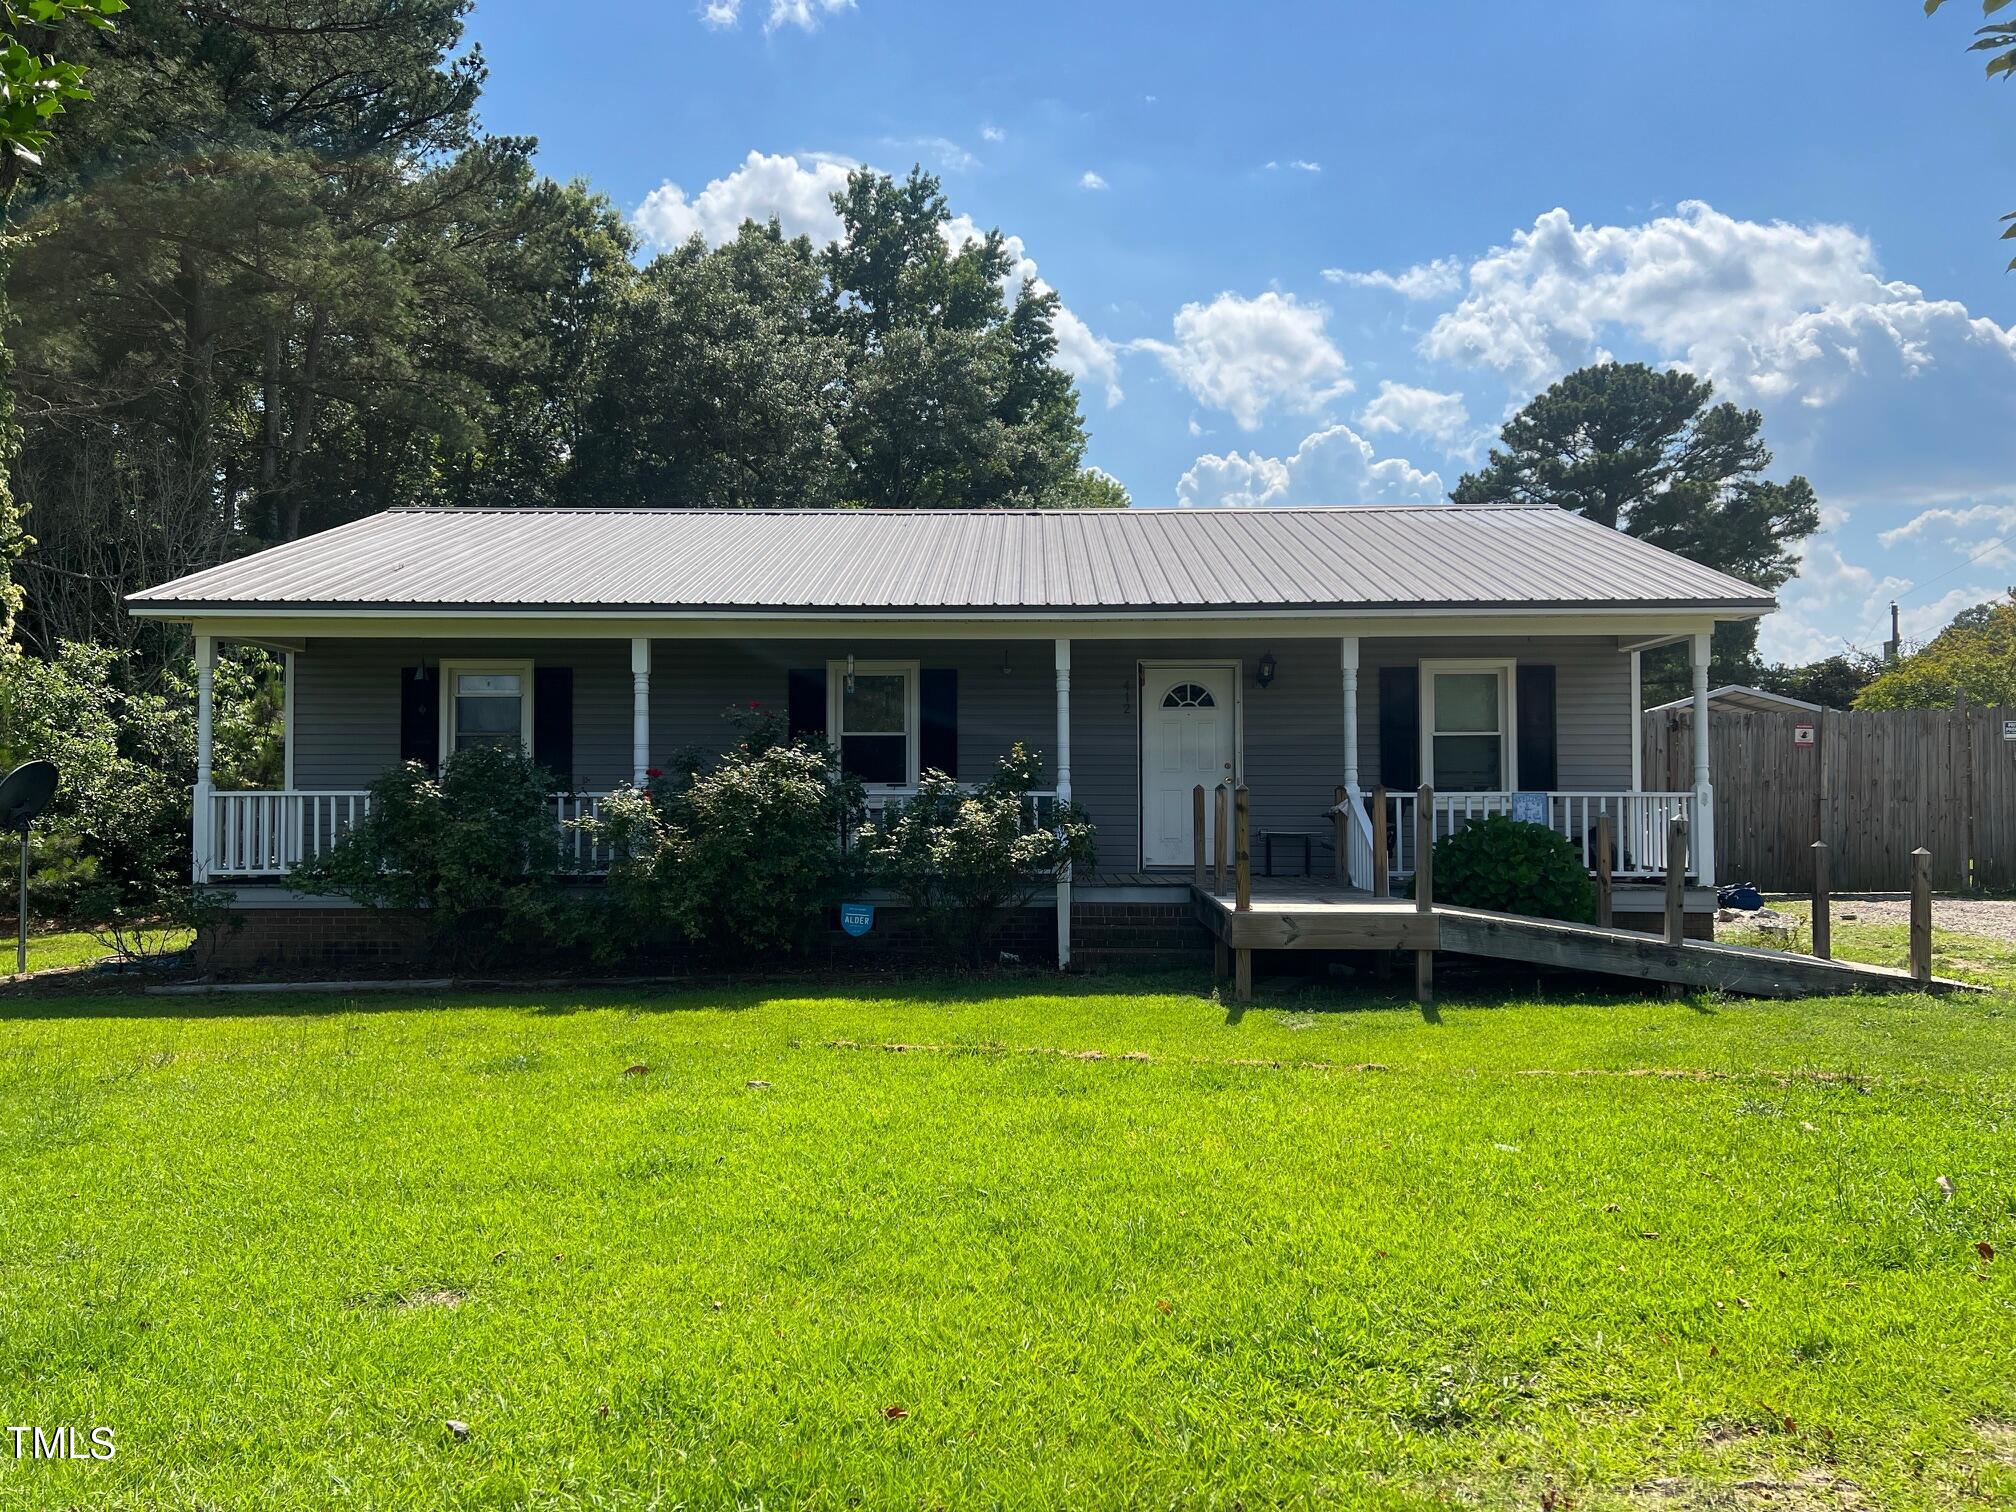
(1989, 918)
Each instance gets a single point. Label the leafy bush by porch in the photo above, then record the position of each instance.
(738, 861)
(962, 859)
(475, 854)
(1502, 864)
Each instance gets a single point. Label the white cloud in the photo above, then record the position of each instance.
(1091, 180)
(1300, 165)
(1430, 280)
(799, 195)
(1400, 407)
(1985, 533)
(948, 154)
(1246, 356)
(1920, 624)
(803, 14)
(721, 13)
(1830, 589)
(1332, 466)
(993, 134)
(1795, 318)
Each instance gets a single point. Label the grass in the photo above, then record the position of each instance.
(77, 947)
(1965, 957)
(1022, 1243)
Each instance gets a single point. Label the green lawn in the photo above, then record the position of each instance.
(76, 947)
(1027, 1244)
(1969, 958)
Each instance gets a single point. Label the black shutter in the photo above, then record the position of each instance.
(938, 706)
(553, 722)
(806, 706)
(1537, 766)
(1400, 727)
(420, 715)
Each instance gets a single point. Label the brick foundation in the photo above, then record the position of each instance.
(271, 940)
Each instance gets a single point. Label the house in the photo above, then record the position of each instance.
(1482, 651)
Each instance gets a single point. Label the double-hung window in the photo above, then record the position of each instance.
(1466, 725)
(486, 704)
(871, 715)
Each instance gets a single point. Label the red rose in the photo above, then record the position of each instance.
(654, 772)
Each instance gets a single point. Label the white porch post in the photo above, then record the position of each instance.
(200, 816)
(1350, 657)
(1701, 834)
(287, 703)
(1637, 722)
(1064, 793)
(640, 708)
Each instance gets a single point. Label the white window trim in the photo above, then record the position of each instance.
(913, 714)
(450, 670)
(1507, 668)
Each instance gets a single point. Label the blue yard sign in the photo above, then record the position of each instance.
(857, 918)
(1530, 808)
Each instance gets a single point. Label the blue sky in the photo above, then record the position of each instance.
(1317, 253)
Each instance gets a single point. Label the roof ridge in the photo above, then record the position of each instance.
(1137, 510)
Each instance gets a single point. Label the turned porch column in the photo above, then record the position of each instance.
(1701, 835)
(1349, 647)
(1063, 793)
(640, 708)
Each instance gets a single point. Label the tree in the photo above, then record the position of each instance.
(34, 88)
(1648, 453)
(1093, 488)
(1977, 660)
(1998, 40)
(1833, 682)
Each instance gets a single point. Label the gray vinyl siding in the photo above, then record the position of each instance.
(346, 704)
(1593, 720)
(346, 716)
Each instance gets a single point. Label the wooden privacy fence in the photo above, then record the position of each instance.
(1874, 785)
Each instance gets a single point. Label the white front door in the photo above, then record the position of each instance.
(1187, 740)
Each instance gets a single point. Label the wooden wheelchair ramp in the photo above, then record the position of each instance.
(1341, 921)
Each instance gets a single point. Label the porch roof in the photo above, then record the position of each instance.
(996, 563)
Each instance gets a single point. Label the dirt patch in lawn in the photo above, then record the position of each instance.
(413, 1299)
(1810, 1490)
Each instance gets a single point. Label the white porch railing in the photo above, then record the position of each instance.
(1039, 807)
(1638, 825)
(269, 833)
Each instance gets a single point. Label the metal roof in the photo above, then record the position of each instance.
(1742, 699)
(1006, 562)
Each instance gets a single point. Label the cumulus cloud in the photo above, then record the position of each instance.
(1333, 466)
(1429, 280)
(1985, 533)
(1430, 413)
(993, 134)
(1246, 356)
(1830, 590)
(1091, 180)
(799, 195)
(1920, 623)
(1797, 319)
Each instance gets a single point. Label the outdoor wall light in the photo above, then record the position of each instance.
(850, 671)
(1264, 673)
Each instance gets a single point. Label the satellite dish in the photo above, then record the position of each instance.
(25, 793)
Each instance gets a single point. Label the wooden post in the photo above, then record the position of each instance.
(1382, 883)
(1606, 913)
(1676, 882)
(1242, 850)
(1921, 914)
(1424, 888)
(1340, 823)
(1823, 908)
(1242, 863)
(1221, 838)
(1197, 833)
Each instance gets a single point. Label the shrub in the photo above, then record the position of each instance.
(1509, 866)
(962, 859)
(475, 852)
(737, 862)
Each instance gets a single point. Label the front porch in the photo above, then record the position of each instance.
(1311, 725)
